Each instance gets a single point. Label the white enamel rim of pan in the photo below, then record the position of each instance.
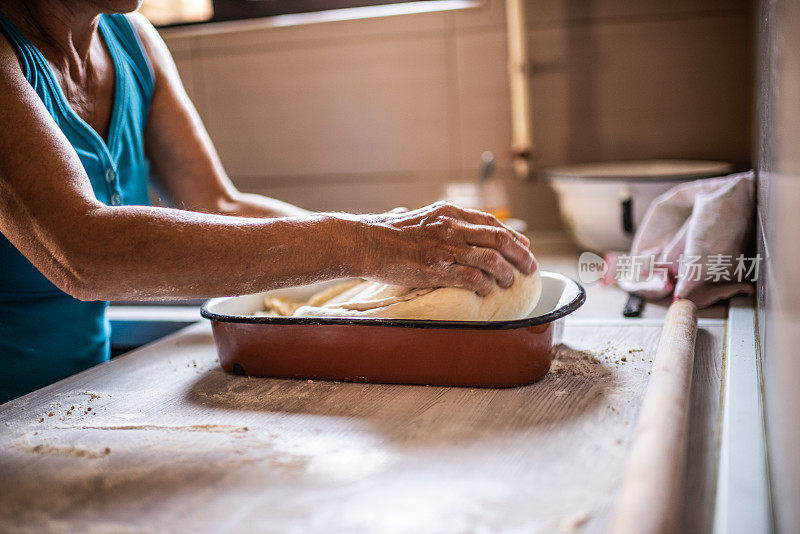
(560, 296)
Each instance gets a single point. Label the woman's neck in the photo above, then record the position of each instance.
(66, 29)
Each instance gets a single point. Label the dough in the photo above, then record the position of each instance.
(374, 299)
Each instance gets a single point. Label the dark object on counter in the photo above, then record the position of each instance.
(634, 306)
(442, 353)
(626, 209)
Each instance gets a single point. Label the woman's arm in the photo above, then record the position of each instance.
(92, 251)
(180, 151)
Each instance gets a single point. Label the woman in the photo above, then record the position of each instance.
(92, 104)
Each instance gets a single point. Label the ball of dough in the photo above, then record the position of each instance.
(373, 299)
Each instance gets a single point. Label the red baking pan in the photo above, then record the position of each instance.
(396, 351)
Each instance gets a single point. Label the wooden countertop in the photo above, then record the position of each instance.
(172, 443)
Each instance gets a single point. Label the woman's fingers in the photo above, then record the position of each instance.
(470, 278)
(487, 219)
(502, 241)
(477, 217)
(489, 261)
(444, 245)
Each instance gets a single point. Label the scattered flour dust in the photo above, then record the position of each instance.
(55, 450)
(47, 449)
(569, 361)
(185, 428)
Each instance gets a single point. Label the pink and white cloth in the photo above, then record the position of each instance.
(692, 243)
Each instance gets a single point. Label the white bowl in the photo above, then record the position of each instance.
(602, 204)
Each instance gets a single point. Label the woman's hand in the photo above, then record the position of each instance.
(442, 245)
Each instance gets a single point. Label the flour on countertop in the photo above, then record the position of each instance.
(55, 450)
(569, 361)
(183, 428)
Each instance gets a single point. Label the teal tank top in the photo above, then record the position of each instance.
(45, 334)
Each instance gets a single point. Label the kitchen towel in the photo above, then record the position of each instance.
(692, 243)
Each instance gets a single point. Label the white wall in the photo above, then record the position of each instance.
(369, 114)
(778, 149)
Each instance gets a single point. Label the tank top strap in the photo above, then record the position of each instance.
(120, 37)
(123, 41)
(37, 72)
(26, 52)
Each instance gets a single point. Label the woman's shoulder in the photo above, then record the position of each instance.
(139, 21)
(154, 47)
(10, 66)
(144, 30)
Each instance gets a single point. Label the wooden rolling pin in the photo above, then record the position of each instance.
(649, 501)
